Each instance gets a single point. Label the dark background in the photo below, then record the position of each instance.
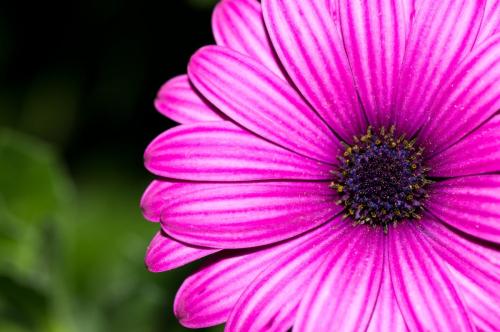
(77, 84)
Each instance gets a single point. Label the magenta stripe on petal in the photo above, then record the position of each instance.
(386, 315)
(443, 32)
(471, 204)
(475, 269)
(374, 34)
(260, 101)
(425, 293)
(271, 301)
(241, 215)
(178, 101)
(238, 24)
(165, 253)
(207, 297)
(475, 154)
(222, 151)
(343, 292)
(470, 97)
(491, 21)
(307, 42)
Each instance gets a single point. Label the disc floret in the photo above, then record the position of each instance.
(381, 178)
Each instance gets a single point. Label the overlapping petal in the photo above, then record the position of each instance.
(260, 101)
(238, 24)
(491, 21)
(154, 198)
(344, 291)
(374, 34)
(475, 154)
(208, 296)
(165, 253)
(474, 267)
(386, 315)
(307, 42)
(178, 101)
(424, 290)
(270, 302)
(442, 34)
(470, 97)
(471, 204)
(222, 151)
(241, 215)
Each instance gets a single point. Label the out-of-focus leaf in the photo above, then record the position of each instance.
(33, 186)
(22, 303)
(35, 195)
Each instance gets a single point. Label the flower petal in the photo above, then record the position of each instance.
(374, 34)
(342, 294)
(260, 101)
(475, 154)
(242, 215)
(386, 315)
(238, 24)
(222, 151)
(443, 32)
(271, 301)
(207, 297)
(470, 97)
(165, 253)
(178, 101)
(471, 204)
(482, 305)
(308, 45)
(425, 293)
(491, 21)
(475, 269)
(153, 199)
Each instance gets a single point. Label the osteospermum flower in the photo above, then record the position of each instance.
(339, 161)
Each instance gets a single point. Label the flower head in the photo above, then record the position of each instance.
(338, 161)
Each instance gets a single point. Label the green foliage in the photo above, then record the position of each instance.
(71, 254)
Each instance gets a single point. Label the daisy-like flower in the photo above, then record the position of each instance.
(338, 161)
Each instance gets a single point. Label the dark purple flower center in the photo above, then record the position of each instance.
(381, 179)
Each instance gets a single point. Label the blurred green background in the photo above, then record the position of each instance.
(77, 84)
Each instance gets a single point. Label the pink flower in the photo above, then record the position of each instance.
(290, 169)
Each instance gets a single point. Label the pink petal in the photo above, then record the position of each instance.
(270, 302)
(238, 24)
(342, 294)
(241, 215)
(222, 151)
(475, 154)
(308, 45)
(207, 297)
(483, 306)
(471, 204)
(165, 253)
(374, 34)
(475, 269)
(443, 32)
(491, 21)
(178, 101)
(260, 101)
(386, 315)
(153, 199)
(410, 8)
(470, 97)
(424, 291)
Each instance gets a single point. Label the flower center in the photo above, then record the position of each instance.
(381, 179)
